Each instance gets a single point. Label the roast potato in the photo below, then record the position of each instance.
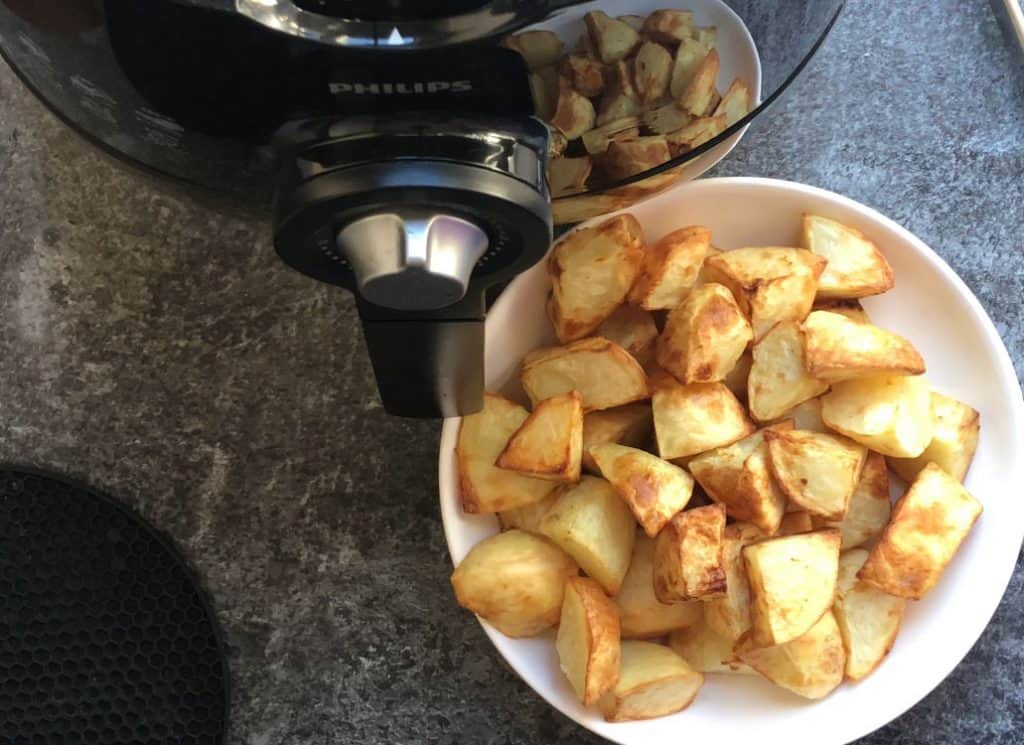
(641, 614)
(670, 268)
(538, 48)
(603, 372)
(625, 158)
(816, 471)
(778, 378)
(694, 418)
(568, 175)
(707, 651)
(837, 348)
(527, 517)
(891, 414)
(688, 562)
(736, 103)
(653, 682)
(652, 69)
(868, 618)
(869, 508)
(689, 55)
(669, 27)
(856, 268)
(574, 113)
(515, 581)
(586, 75)
(697, 97)
(633, 329)
(729, 616)
(612, 38)
(549, 442)
(695, 133)
(588, 641)
(955, 430)
(811, 665)
(796, 522)
(630, 425)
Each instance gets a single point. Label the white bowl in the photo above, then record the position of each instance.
(966, 358)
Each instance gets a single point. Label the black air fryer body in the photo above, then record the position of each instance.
(395, 140)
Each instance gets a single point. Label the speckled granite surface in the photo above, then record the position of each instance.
(163, 353)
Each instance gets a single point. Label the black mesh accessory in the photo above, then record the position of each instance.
(105, 636)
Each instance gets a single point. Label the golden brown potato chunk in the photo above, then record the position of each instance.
(641, 614)
(778, 378)
(815, 471)
(597, 140)
(837, 348)
(613, 39)
(528, 517)
(955, 430)
(695, 418)
(653, 682)
(484, 487)
(770, 284)
(856, 268)
(695, 134)
(739, 477)
(811, 665)
(704, 337)
(592, 271)
(574, 114)
(730, 616)
(707, 651)
(891, 414)
(669, 26)
(625, 158)
(868, 618)
(594, 526)
(670, 268)
(630, 425)
(869, 508)
(652, 68)
(689, 55)
(736, 103)
(688, 556)
(515, 581)
(697, 97)
(792, 583)
(588, 642)
(538, 48)
(603, 372)
(585, 74)
(568, 175)
(633, 329)
(654, 489)
(549, 442)
(666, 119)
(927, 527)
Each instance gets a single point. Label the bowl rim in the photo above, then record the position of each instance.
(1007, 380)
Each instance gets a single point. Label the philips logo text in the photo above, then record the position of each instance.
(392, 89)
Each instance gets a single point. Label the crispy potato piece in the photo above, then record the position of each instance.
(927, 527)
(697, 97)
(736, 379)
(794, 523)
(574, 114)
(666, 119)
(586, 75)
(484, 487)
(588, 641)
(688, 556)
(713, 101)
(955, 430)
(515, 581)
(602, 371)
(670, 268)
(868, 618)
(590, 523)
(568, 175)
(889, 413)
(613, 39)
(641, 614)
(689, 55)
(836, 348)
(633, 329)
(869, 508)
(597, 140)
(592, 271)
(739, 477)
(625, 158)
(615, 106)
(736, 103)
(654, 490)
(704, 337)
(792, 583)
(527, 517)
(549, 442)
(653, 682)
(778, 378)
(810, 665)
(538, 48)
(669, 26)
(807, 415)
(770, 284)
(630, 425)
(815, 471)
(694, 418)
(652, 68)
(635, 22)
(851, 309)
(707, 651)
(585, 47)
(856, 268)
(730, 616)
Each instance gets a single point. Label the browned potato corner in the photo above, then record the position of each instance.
(549, 442)
(613, 39)
(688, 563)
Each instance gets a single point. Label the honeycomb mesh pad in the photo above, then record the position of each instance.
(104, 635)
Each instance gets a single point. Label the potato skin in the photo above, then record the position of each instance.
(515, 581)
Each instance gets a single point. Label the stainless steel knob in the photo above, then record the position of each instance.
(412, 260)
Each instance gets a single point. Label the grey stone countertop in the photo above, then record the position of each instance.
(163, 353)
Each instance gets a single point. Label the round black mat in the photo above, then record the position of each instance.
(104, 635)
